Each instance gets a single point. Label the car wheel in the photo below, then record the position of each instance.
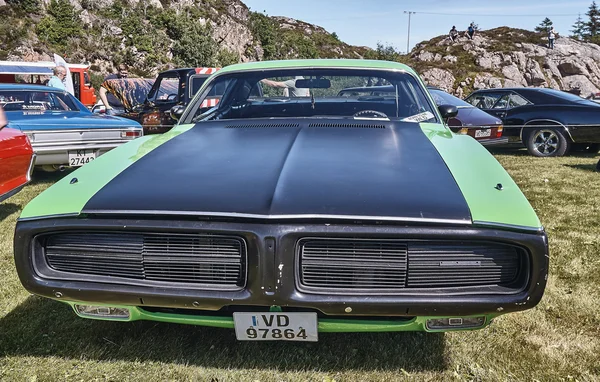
(548, 142)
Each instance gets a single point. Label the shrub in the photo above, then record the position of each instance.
(61, 23)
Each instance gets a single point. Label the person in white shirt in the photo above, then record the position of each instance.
(289, 86)
(551, 37)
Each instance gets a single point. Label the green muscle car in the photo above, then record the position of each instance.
(287, 210)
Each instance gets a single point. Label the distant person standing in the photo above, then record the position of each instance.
(471, 31)
(56, 81)
(453, 34)
(110, 101)
(551, 37)
(289, 87)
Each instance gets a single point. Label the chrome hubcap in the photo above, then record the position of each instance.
(545, 142)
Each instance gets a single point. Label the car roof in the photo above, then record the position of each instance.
(317, 63)
(29, 87)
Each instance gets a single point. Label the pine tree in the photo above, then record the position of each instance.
(578, 30)
(592, 27)
(544, 26)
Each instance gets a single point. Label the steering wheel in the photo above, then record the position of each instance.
(370, 114)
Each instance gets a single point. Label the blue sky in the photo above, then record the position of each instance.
(366, 22)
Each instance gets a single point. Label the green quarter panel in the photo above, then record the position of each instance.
(478, 175)
(67, 196)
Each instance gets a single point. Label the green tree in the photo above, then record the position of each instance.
(60, 24)
(592, 26)
(266, 31)
(27, 6)
(578, 30)
(544, 26)
(384, 52)
(196, 46)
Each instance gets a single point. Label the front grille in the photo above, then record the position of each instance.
(209, 260)
(355, 265)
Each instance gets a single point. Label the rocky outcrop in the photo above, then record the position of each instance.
(105, 42)
(505, 57)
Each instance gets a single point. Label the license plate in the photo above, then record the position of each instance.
(276, 326)
(483, 133)
(80, 157)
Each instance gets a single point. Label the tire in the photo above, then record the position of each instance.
(548, 142)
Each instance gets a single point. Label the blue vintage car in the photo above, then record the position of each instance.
(62, 131)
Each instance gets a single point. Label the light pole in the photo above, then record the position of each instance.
(408, 38)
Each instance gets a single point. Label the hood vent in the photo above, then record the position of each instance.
(262, 125)
(348, 125)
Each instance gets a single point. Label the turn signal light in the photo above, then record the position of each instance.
(95, 311)
(131, 134)
(464, 131)
(499, 131)
(455, 323)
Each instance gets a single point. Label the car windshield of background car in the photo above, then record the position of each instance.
(36, 101)
(165, 89)
(442, 98)
(310, 93)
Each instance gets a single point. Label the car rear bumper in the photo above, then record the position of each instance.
(59, 154)
(494, 141)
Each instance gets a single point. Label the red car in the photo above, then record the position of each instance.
(16, 162)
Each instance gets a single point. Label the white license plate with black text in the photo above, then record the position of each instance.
(276, 326)
(80, 157)
(483, 133)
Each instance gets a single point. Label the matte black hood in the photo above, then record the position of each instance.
(253, 169)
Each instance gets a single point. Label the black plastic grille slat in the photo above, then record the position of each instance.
(353, 264)
(387, 265)
(347, 125)
(432, 265)
(198, 259)
(262, 125)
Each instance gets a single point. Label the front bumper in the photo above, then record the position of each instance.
(271, 274)
(324, 324)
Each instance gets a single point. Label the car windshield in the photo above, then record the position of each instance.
(315, 93)
(165, 89)
(36, 101)
(442, 98)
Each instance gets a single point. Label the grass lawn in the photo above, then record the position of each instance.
(558, 340)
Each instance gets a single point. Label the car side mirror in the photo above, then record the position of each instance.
(176, 112)
(448, 111)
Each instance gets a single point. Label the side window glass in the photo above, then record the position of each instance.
(502, 103)
(484, 100)
(516, 100)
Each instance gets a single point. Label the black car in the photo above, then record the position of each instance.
(149, 102)
(548, 122)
